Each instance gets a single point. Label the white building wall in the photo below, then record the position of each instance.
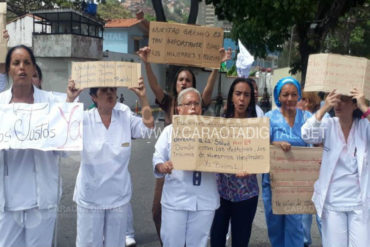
(20, 31)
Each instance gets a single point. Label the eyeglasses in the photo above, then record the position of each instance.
(191, 104)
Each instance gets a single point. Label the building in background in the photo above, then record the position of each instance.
(20, 30)
(126, 35)
(66, 36)
(207, 17)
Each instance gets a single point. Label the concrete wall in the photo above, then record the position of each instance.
(115, 40)
(20, 31)
(122, 39)
(56, 72)
(67, 45)
(132, 33)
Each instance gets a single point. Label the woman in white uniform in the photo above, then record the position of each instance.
(342, 192)
(189, 199)
(29, 179)
(103, 186)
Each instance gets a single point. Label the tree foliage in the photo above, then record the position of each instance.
(21, 7)
(265, 25)
(352, 35)
(112, 9)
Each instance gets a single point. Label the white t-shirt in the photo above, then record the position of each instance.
(103, 181)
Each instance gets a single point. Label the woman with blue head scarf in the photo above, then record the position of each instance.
(285, 131)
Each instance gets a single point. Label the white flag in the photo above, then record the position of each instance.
(244, 61)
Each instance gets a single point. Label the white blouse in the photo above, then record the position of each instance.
(179, 190)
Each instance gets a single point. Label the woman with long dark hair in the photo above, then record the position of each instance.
(238, 193)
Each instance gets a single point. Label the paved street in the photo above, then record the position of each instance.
(143, 181)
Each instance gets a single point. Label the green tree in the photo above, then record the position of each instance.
(352, 35)
(112, 9)
(265, 25)
(149, 17)
(21, 7)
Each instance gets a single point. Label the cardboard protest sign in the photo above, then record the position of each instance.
(3, 42)
(326, 72)
(41, 126)
(224, 145)
(292, 176)
(106, 74)
(182, 44)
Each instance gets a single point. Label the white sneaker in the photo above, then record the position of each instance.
(130, 241)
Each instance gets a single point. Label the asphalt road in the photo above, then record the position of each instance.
(143, 186)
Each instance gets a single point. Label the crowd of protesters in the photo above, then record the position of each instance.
(189, 207)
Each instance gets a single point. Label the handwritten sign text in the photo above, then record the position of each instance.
(42, 126)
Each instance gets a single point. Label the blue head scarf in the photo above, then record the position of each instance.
(281, 83)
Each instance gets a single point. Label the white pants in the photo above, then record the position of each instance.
(130, 222)
(27, 228)
(180, 227)
(101, 227)
(345, 229)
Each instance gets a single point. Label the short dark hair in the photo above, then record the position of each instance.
(10, 53)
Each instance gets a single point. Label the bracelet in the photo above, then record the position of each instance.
(367, 113)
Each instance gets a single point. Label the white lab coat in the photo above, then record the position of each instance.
(187, 210)
(46, 162)
(103, 185)
(179, 193)
(103, 181)
(315, 132)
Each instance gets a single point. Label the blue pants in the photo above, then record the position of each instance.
(283, 230)
(307, 222)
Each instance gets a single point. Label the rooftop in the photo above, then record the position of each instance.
(64, 14)
(129, 22)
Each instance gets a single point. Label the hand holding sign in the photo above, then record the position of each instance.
(225, 54)
(140, 90)
(164, 168)
(143, 53)
(360, 98)
(285, 146)
(72, 91)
